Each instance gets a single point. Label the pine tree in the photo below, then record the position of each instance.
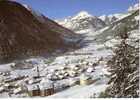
(124, 65)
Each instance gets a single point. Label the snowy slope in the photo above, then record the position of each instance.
(134, 7)
(108, 19)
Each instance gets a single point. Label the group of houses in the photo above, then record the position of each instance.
(54, 81)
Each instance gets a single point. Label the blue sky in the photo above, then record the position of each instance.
(57, 9)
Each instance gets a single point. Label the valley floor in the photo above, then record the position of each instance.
(91, 60)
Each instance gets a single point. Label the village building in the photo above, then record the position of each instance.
(6, 85)
(13, 78)
(2, 89)
(72, 73)
(85, 63)
(63, 68)
(66, 74)
(18, 90)
(22, 65)
(46, 87)
(90, 69)
(33, 90)
(33, 80)
(61, 85)
(85, 79)
(20, 83)
(76, 68)
(61, 76)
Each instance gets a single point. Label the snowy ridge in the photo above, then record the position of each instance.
(134, 7)
(108, 19)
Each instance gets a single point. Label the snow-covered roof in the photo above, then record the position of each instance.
(2, 88)
(17, 90)
(31, 80)
(73, 80)
(84, 77)
(90, 69)
(45, 84)
(33, 87)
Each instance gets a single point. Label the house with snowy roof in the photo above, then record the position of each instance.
(45, 88)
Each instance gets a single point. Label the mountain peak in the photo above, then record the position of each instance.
(82, 14)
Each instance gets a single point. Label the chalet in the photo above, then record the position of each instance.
(2, 89)
(63, 68)
(46, 87)
(61, 85)
(8, 86)
(33, 80)
(72, 73)
(54, 77)
(66, 74)
(60, 76)
(75, 67)
(90, 69)
(33, 90)
(20, 83)
(85, 79)
(18, 90)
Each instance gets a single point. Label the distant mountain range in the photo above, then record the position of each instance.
(85, 21)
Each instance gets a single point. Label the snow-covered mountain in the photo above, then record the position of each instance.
(82, 21)
(85, 21)
(108, 19)
(134, 7)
